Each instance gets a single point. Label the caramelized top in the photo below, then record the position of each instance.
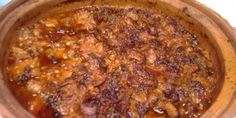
(110, 62)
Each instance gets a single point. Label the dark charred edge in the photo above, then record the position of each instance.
(70, 1)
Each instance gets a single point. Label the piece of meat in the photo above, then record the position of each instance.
(169, 108)
(84, 19)
(88, 109)
(151, 56)
(67, 98)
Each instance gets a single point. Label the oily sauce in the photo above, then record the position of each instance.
(110, 62)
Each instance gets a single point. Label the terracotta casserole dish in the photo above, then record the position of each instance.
(217, 32)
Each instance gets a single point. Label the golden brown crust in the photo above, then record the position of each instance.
(111, 62)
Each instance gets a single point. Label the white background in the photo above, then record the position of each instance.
(226, 8)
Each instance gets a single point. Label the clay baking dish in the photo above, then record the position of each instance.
(217, 33)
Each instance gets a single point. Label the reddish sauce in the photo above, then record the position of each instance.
(110, 62)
